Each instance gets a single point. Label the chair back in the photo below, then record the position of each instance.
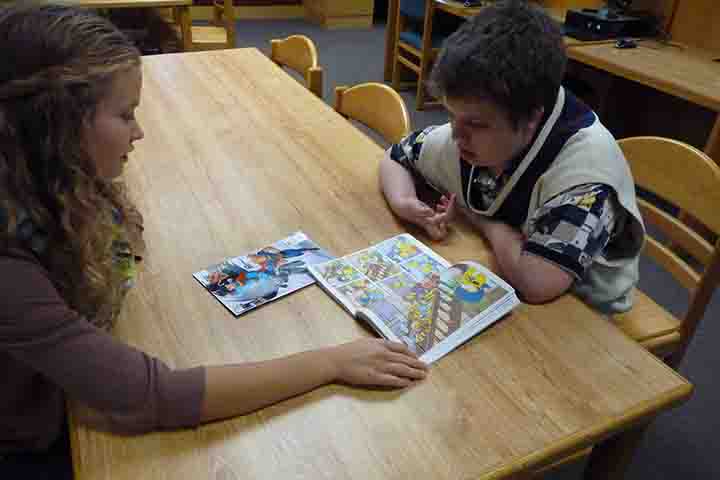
(413, 9)
(298, 53)
(377, 106)
(689, 180)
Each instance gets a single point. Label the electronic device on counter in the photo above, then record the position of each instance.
(608, 23)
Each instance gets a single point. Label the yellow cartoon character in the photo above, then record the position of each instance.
(472, 286)
(406, 249)
(587, 200)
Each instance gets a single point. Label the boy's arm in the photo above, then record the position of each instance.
(535, 279)
(398, 186)
(396, 181)
(566, 235)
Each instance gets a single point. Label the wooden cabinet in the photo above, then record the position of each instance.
(340, 13)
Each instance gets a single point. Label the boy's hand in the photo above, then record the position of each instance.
(446, 206)
(434, 221)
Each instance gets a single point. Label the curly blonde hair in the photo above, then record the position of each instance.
(58, 63)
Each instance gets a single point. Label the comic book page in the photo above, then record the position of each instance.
(409, 293)
(246, 282)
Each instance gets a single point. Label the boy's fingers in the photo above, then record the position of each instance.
(449, 210)
(435, 232)
(420, 209)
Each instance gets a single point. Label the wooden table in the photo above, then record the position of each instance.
(181, 7)
(682, 71)
(237, 155)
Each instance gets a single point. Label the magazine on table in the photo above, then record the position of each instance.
(408, 293)
(248, 281)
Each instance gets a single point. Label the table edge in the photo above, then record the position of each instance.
(669, 87)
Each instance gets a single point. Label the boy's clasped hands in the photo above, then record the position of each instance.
(434, 221)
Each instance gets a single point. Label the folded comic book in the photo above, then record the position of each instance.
(408, 293)
(245, 282)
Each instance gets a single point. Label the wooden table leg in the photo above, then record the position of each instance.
(611, 458)
(393, 7)
(183, 13)
(712, 146)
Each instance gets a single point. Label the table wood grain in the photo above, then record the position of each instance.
(679, 70)
(237, 155)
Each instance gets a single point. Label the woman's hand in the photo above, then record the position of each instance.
(376, 362)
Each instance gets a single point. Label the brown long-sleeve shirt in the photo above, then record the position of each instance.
(48, 351)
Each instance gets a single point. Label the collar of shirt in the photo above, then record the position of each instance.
(488, 185)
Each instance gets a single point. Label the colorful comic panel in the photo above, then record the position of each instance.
(400, 249)
(422, 265)
(375, 266)
(410, 290)
(418, 321)
(339, 273)
(362, 293)
(473, 291)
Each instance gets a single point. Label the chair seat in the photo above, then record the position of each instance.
(415, 39)
(209, 34)
(649, 324)
(206, 35)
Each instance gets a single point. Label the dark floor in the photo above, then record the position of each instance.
(680, 444)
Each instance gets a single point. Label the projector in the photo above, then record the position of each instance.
(602, 24)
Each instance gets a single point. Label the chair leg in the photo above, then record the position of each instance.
(420, 95)
(396, 74)
(674, 359)
(396, 65)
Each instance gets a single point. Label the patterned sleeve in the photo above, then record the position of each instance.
(408, 150)
(573, 228)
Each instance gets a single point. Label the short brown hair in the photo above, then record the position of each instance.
(511, 53)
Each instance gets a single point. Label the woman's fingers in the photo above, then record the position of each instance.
(389, 380)
(402, 370)
(398, 347)
(412, 362)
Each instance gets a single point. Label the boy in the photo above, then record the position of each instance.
(529, 164)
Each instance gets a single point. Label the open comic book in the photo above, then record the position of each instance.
(245, 282)
(408, 293)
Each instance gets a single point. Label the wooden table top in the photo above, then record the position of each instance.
(237, 155)
(682, 71)
(130, 3)
(457, 8)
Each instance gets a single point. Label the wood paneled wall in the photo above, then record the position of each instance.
(697, 23)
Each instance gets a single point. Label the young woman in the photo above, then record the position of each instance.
(69, 240)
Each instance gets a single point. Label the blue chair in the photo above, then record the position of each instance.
(416, 45)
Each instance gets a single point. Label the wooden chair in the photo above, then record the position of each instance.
(376, 105)
(221, 31)
(416, 45)
(688, 179)
(298, 53)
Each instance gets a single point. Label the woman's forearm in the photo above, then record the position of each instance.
(232, 390)
(238, 389)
